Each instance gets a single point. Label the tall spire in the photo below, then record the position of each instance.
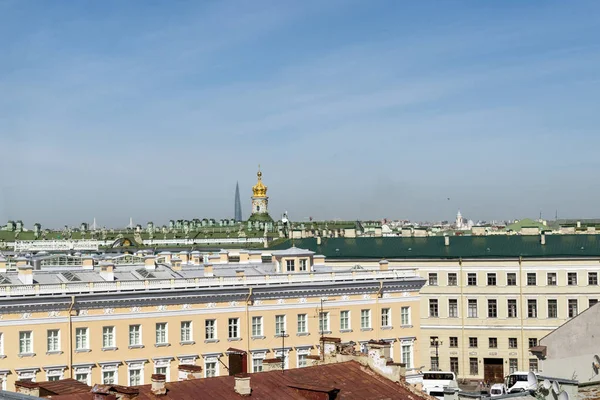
(238, 203)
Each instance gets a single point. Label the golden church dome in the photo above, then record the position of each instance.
(259, 190)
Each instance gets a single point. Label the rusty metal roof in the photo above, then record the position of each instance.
(353, 381)
(63, 386)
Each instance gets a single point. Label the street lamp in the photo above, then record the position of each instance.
(435, 342)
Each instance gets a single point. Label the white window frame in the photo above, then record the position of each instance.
(404, 322)
(58, 373)
(26, 343)
(55, 348)
(115, 377)
(290, 265)
(161, 332)
(83, 343)
(210, 360)
(132, 331)
(386, 317)
(365, 319)
(345, 317)
(301, 354)
(27, 373)
(112, 368)
(234, 323)
(83, 370)
(410, 345)
(258, 355)
(324, 322)
(164, 362)
(280, 325)
(303, 265)
(210, 329)
(109, 332)
(186, 334)
(302, 322)
(135, 366)
(286, 357)
(257, 326)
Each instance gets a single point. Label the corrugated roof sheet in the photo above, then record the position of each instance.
(354, 381)
(496, 246)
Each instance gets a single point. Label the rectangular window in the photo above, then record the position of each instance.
(405, 316)
(511, 279)
(531, 279)
(280, 325)
(572, 278)
(493, 343)
(81, 339)
(365, 319)
(453, 341)
(135, 335)
(572, 308)
(472, 308)
(473, 366)
(108, 377)
(433, 279)
(210, 369)
(135, 377)
(290, 265)
(345, 320)
(302, 360)
(472, 279)
(592, 302)
(302, 326)
(303, 265)
(82, 377)
(512, 343)
(492, 309)
(473, 342)
(324, 322)
(452, 279)
(531, 308)
(108, 336)
(454, 365)
(234, 328)
(552, 309)
(210, 329)
(53, 340)
(491, 278)
(257, 364)
(512, 308)
(533, 364)
(513, 365)
(435, 363)
(551, 276)
(161, 333)
(592, 278)
(433, 308)
(25, 342)
(386, 317)
(533, 342)
(186, 331)
(257, 326)
(453, 308)
(407, 355)
(161, 370)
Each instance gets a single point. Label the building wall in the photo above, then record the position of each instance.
(123, 357)
(502, 328)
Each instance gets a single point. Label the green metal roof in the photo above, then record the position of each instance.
(500, 246)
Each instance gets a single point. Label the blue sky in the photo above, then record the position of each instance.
(354, 109)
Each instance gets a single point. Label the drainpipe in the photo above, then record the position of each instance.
(248, 324)
(71, 337)
(378, 310)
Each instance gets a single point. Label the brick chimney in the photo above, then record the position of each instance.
(28, 388)
(208, 270)
(150, 263)
(244, 257)
(158, 384)
(187, 372)
(242, 385)
(384, 265)
(87, 262)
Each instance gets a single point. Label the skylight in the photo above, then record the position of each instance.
(145, 273)
(71, 277)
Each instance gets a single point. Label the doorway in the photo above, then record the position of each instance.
(493, 370)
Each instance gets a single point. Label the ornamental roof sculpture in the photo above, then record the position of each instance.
(259, 190)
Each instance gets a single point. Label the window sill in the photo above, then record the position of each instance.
(22, 355)
(82, 350)
(366, 329)
(110, 348)
(278, 336)
(302, 334)
(258, 337)
(2, 356)
(211, 341)
(406, 326)
(324, 332)
(54, 352)
(346, 330)
(136, 346)
(385, 328)
(186, 343)
(234, 339)
(162, 344)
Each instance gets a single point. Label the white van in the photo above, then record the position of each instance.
(438, 379)
(518, 382)
(497, 389)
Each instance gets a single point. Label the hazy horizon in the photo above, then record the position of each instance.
(353, 109)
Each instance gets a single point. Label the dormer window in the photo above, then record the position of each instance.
(303, 264)
(290, 265)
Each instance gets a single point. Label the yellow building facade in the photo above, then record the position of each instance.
(121, 319)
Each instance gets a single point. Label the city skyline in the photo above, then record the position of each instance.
(355, 110)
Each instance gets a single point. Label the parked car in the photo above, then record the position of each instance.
(497, 389)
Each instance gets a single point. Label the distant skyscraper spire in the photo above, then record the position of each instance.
(238, 203)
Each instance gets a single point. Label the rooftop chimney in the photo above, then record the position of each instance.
(28, 388)
(579, 224)
(150, 262)
(187, 372)
(447, 240)
(208, 270)
(244, 257)
(25, 274)
(242, 385)
(107, 272)
(543, 238)
(383, 265)
(87, 262)
(158, 384)
(2, 264)
(239, 273)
